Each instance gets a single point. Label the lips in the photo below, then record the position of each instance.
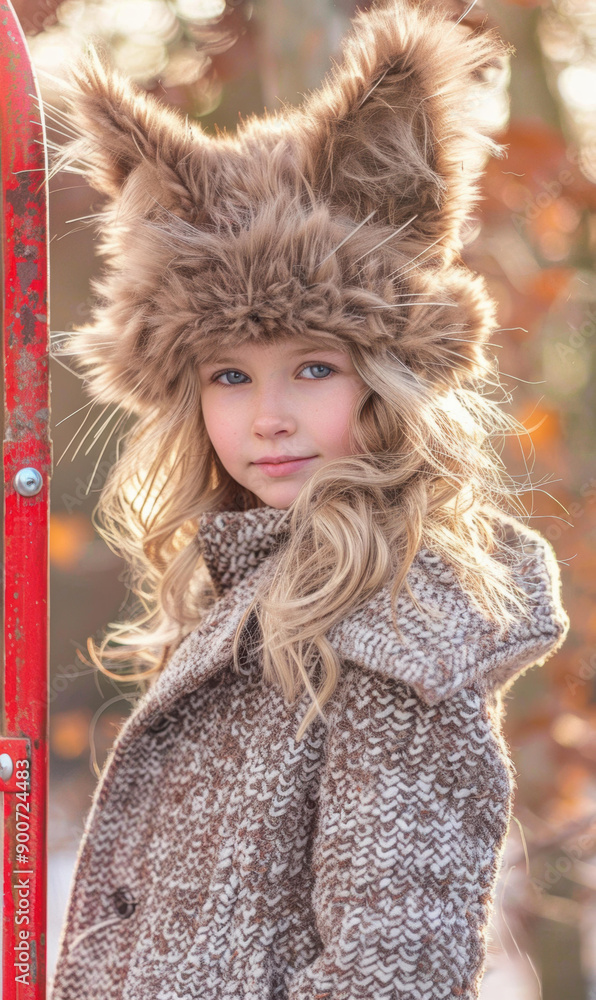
(283, 466)
(272, 460)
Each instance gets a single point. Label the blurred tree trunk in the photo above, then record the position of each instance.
(529, 90)
(296, 39)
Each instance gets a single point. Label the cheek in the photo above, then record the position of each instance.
(333, 430)
(218, 424)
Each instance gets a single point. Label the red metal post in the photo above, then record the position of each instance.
(27, 471)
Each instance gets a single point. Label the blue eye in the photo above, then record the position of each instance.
(325, 367)
(230, 371)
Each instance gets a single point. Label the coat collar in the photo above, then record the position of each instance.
(435, 657)
(234, 543)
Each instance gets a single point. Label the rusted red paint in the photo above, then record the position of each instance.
(26, 443)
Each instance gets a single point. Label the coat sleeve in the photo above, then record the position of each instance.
(414, 808)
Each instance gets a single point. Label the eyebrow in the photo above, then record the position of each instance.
(298, 351)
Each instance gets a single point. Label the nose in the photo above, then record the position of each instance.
(273, 413)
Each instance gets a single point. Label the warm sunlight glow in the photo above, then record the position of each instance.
(200, 10)
(144, 17)
(577, 85)
(140, 60)
(52, 50)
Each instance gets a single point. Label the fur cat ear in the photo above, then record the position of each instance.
(444, 341)
(120, 128)
(396, 127)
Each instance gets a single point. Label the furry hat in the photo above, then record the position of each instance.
(343, 218)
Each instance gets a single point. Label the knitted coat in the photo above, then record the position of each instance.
(222, 859)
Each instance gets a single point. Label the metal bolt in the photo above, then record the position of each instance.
(28, 482)
(6, 766)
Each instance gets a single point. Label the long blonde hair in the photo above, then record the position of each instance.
(425, 473)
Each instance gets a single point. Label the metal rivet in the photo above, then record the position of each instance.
(28, 482)
(6, 766)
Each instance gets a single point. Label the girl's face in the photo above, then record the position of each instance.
(281, 400)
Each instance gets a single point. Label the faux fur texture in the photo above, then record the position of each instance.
(343, 218)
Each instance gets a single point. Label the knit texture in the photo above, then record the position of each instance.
(221, 859)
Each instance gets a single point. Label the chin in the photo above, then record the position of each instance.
(279, 504)
(277, 498)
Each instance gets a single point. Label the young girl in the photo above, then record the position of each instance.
(311, 797)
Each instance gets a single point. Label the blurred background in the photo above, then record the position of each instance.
(536, 245)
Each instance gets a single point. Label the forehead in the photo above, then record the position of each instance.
(284, 348)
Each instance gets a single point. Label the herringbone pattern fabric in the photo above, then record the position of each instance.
(221, 859)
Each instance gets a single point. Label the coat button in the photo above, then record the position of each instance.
(124, 902)
(161, 723)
